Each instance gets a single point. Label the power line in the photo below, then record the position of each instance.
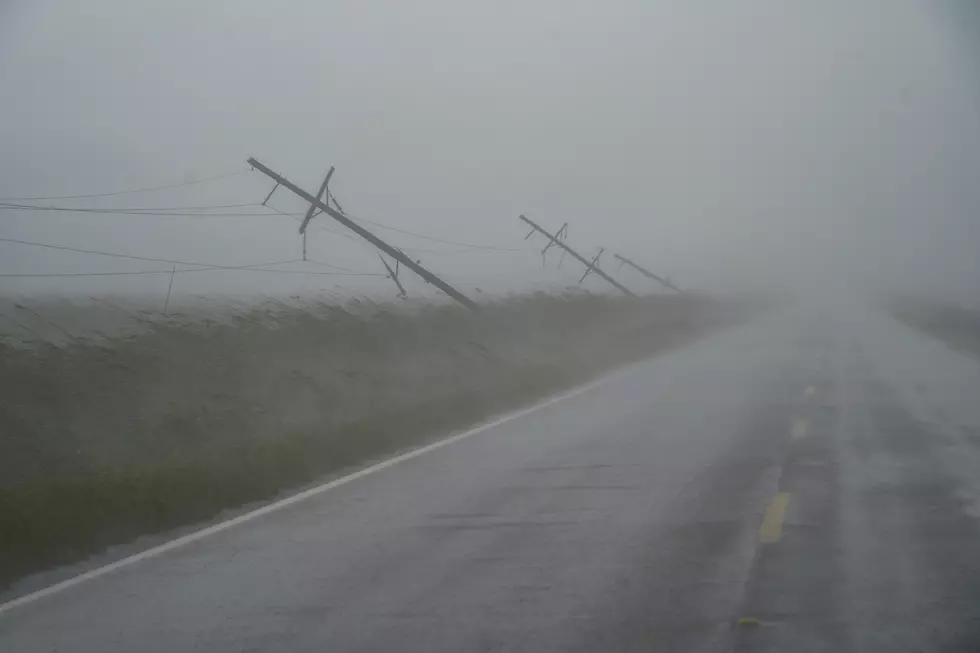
(164, 211)
(256, 266)
(200, 268)
(154, 259)
(461, 249)
(132, 257)
(343, 269)
(417, 250)
(295, 216)
(161, 260)
(19, 275)
(184, 211)
(321, 228)
(464, 246)
(468, 250)
(162, 214)
(131, 191)
(246, 268)
(241, 268)
(406, 232)
(432, 238)
(111, 209)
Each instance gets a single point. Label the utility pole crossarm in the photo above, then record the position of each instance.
(321, 193)
(595, 264)
(558, 236)
(394, 253)
(623, 289)
(393, 275)
(647, 273)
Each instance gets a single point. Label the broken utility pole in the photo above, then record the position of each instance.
(591, 266)
(394, 253)
(666, 282)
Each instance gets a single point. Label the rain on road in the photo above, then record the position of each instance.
(803, 482)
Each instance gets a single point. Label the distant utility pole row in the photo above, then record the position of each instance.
(593, 266)
(590, 267)
(320, 203)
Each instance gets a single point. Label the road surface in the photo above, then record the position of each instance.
(807, 482)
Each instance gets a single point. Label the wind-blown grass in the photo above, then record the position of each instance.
(106, 441)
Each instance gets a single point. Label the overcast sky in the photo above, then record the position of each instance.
(730, 144)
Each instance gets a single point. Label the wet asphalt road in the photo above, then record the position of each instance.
(801, 483)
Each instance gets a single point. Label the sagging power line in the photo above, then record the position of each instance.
(325, 191)
(241, 268)
(194, 266)
(155, 259)
(324, 197)
(126, 192)
(9, 206)
(591, 267)
(174, 212)
(433, 238)
(177, 211)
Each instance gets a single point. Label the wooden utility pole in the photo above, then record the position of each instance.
(591, 266)
(394, 253)
(666, 282)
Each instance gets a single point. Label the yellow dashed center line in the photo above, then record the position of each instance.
(771, 529)
(800, 427)
(745, 622)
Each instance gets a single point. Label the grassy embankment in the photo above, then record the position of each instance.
(105, 441)
(957, 326)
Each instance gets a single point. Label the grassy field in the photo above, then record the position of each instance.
(957, 326)
(111, 438)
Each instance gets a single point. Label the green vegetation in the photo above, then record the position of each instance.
(106, 441)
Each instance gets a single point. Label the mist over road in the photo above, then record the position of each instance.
(171, 347)
(803, 482)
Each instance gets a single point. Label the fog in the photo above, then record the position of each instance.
(735, 146)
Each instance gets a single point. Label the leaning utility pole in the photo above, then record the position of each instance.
(666, 282)
(591, 266)
(394, 253)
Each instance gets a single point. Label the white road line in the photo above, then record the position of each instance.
(289, 501)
